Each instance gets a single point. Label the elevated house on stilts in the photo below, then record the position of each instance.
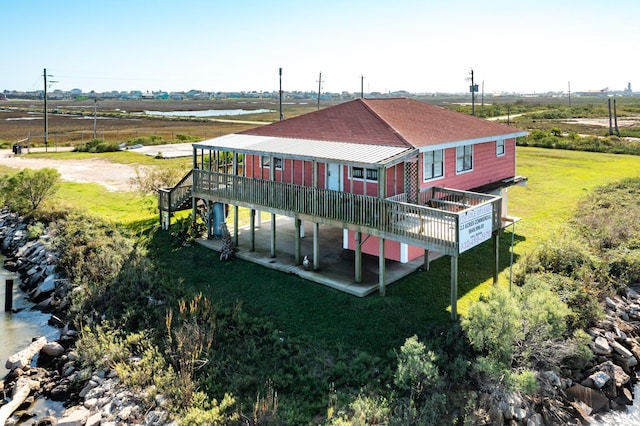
(400, 179)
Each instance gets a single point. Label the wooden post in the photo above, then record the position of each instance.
(235, 225)
(252, 229)
(454, 288)
(298, 243)
(358, 256)
(426, 260)
(8, 295)
(316, 246)
(273, 235)
(496, 256)
(381, 269)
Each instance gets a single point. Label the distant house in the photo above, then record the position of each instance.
(400, 177)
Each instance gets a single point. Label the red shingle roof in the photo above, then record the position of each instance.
(399, 122)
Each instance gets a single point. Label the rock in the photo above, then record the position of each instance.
(535, 420)
(47, 421)
(53, 349)
(60, 392)
(600, 346)
(160, 417)
(87, 388)
(624, 352)
(23, 358)
(592, 398)
(74, 416)
(599, 379)
(48, 285)
(94, 420)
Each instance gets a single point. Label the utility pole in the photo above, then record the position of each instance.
(610, 118)
(362, 86)
(281, 115)
(46, 124)
(95, 111)
(46, 116)
(569, 86)
(473, 89)
(615, 117)
(319, 89)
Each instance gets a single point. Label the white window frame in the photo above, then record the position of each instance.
(464, 154)
(265, 162)
(432, 165)
(501, 148)
(371, 174)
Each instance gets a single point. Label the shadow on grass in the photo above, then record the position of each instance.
(415, 305)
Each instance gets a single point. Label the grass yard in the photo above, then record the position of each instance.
(419, 302)
(415, 305)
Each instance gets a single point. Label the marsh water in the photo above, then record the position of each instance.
(17, 329)
(208, 112)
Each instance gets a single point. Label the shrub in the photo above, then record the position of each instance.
(35, 230)
(494, 324)
(26, 190)
(97, 146)
(150, 179)
(524, 381)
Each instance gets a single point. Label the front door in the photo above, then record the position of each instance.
(333, 176)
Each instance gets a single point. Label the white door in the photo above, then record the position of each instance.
(333, 176)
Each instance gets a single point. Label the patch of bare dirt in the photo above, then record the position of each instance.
(113, 176)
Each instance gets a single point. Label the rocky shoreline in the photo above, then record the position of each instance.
(100, 399)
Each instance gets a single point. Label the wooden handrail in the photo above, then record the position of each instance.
(415, 224)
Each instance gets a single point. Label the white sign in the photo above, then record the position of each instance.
(475, 226)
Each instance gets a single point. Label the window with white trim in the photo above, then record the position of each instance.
(499, 147)
(358, 173)
(266, 162)
(433, 164)
(464, 158)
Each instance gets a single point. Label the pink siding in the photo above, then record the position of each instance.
(392, 249)
(395, 182)
(487, 167)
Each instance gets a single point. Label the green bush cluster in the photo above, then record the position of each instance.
(26, 190)
(572, 141)
(145, 140)
(97, 146)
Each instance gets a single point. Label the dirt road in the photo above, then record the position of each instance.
(113, 176)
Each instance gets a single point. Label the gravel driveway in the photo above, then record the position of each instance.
(113, 176)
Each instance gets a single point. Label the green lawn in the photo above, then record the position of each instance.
(414, 305)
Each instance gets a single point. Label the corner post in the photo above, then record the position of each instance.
(496, 255)
(381, 269)
(454, 288)
(252, 229)
(298, 243)
(358, 256)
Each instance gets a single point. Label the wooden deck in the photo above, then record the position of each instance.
(395, 219)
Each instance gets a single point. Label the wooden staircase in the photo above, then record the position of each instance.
(175, 199)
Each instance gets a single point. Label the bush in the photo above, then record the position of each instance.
(493, 324)
(149, 179)
(26, 190)
(97, 146)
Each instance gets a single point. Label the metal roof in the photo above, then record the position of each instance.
(343, 152)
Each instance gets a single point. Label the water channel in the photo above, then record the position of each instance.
(17, 329)
(208, 112)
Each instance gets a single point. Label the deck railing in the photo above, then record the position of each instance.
(423, 225)
(171, 199)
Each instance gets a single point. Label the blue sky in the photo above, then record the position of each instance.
(415, 45)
